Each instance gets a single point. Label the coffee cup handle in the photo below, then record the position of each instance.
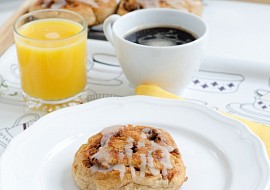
(107, 27)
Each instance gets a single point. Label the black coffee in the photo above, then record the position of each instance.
(160, 36)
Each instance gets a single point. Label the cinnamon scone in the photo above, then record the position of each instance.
(128, 157)
(94, 11)
(192, 6)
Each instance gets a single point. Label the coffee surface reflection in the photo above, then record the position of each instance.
(160, 36)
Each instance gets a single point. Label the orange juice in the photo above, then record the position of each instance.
(52, 58)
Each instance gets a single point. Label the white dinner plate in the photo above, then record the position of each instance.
(220, 153)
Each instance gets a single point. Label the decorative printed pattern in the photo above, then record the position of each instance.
(258, 110)
(20, 124)
(216, 82)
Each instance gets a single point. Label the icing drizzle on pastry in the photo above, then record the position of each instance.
(179, 4)
(108, 133)
(57, 4)
(147, 160)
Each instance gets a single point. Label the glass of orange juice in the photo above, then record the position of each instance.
(52, 55)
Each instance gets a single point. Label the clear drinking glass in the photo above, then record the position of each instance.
(52, 55)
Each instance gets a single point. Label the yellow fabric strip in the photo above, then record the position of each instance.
(261, 130)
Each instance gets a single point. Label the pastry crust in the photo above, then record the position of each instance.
(192, 6)
(129, 157)
(103, 9)
(94, 11)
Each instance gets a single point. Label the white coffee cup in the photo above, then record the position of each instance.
(170, 67)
